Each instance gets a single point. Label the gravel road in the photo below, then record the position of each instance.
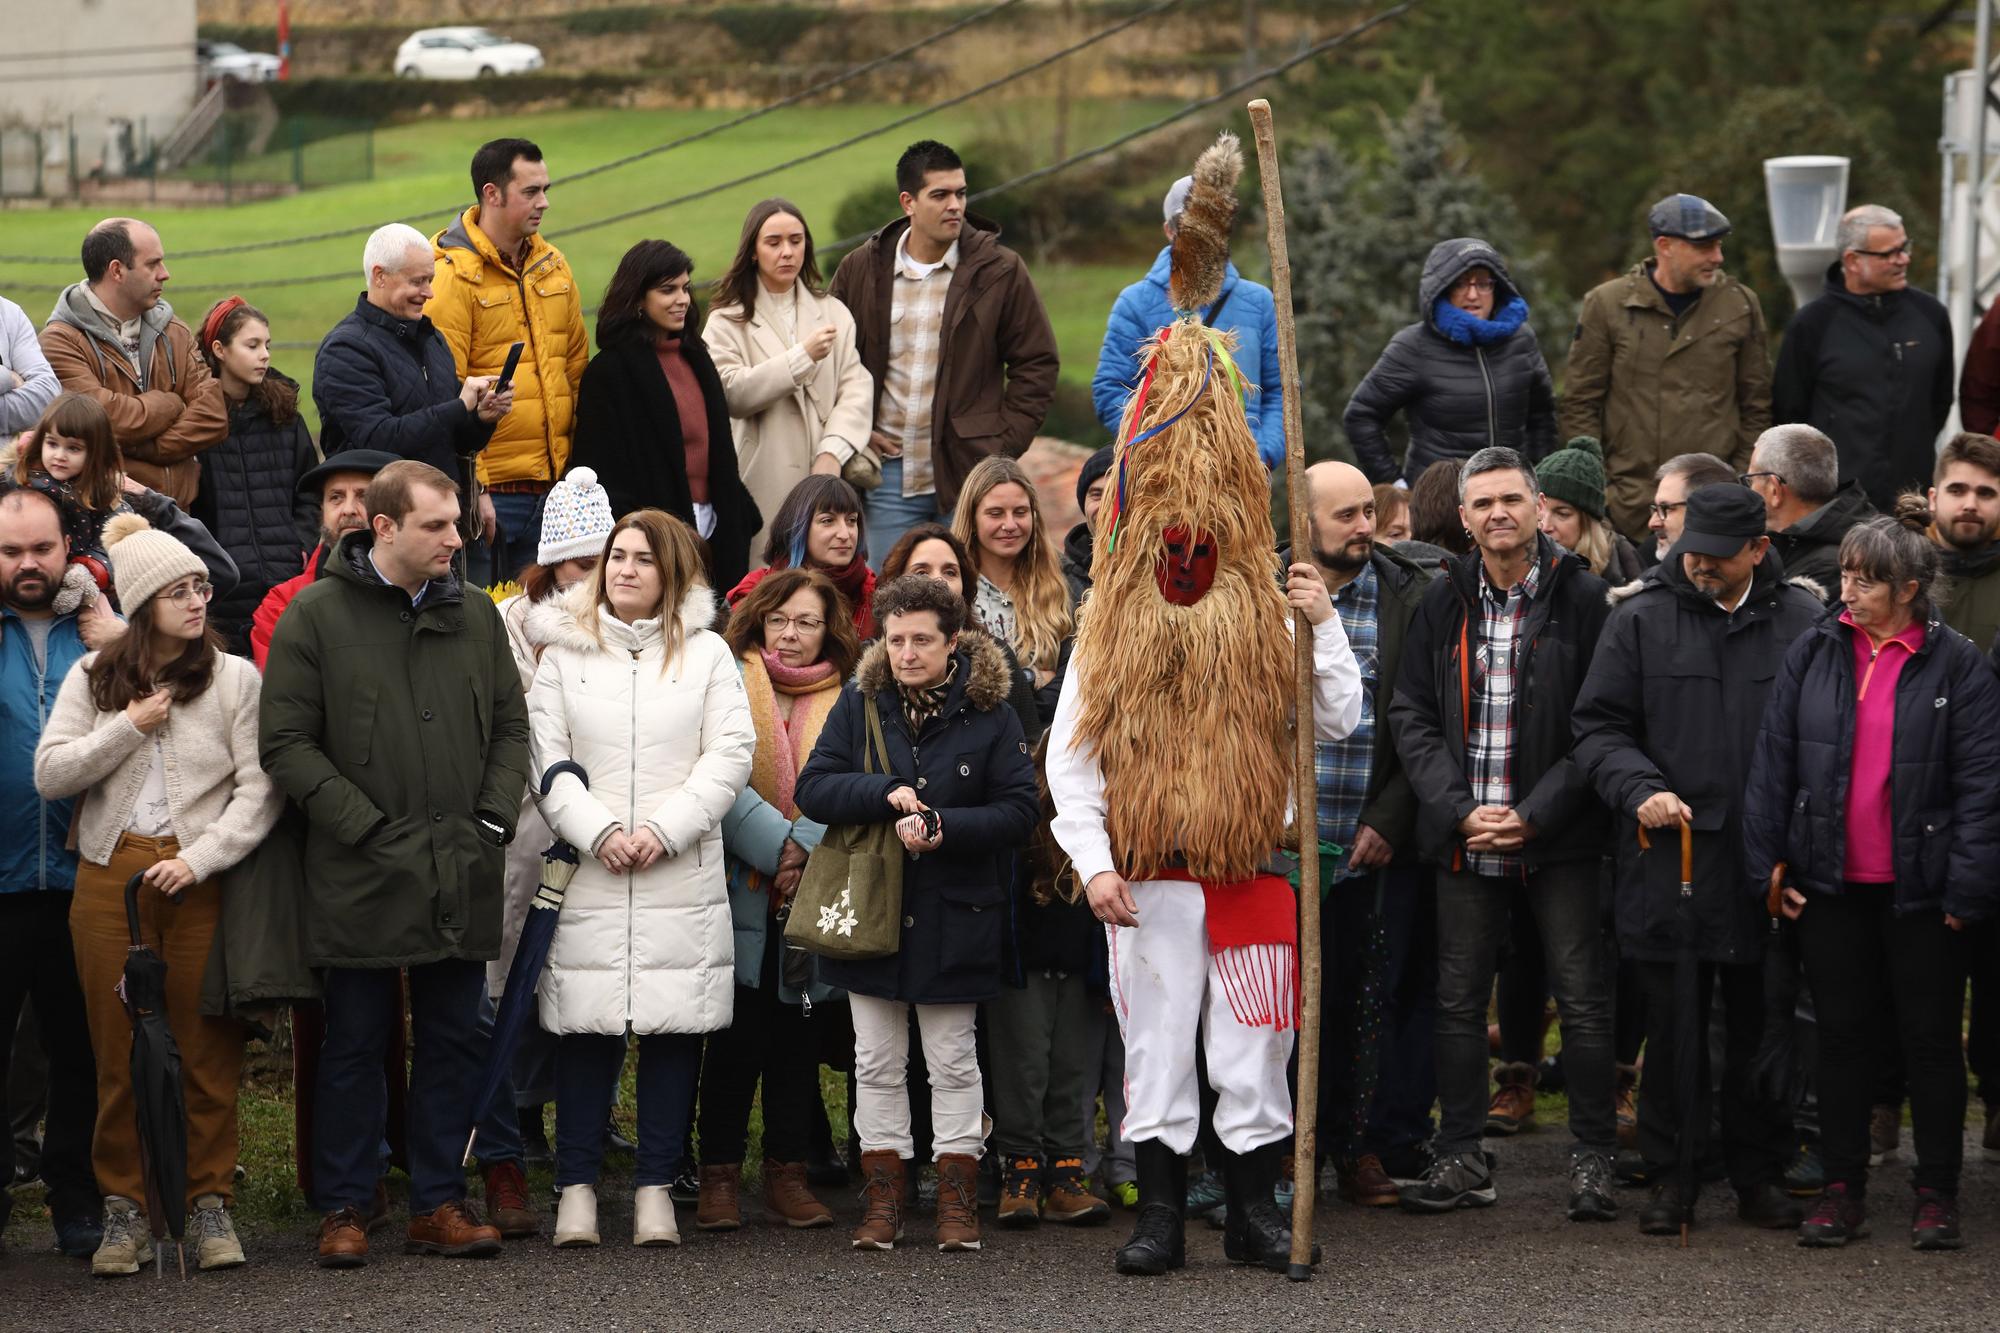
(1516, 1266)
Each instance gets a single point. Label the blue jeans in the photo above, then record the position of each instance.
(891, 513)
(352, 1100)
(1472, 913)
(512, 548)
(587, 1069)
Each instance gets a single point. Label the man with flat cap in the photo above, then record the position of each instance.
(336, 486)
(1665, 725)
(1668, 359)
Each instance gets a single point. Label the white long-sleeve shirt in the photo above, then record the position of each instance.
(1076, 784)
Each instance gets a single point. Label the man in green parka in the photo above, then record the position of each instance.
(392, 713)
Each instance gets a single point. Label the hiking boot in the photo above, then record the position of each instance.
(1769, 1207)
(343, 1239)
(576, 1216)
(1806, 1176)
(1363, 1181)
(1934, 1224)
(1625, 1101)
(1408, 1164)
(1204, 1194)
(1125, 1194)
(1021, 1193)
(958, 1201)
(787, 1198)
(1838, 1217)
(214, 1235)
(535, 1150)
(653, 1221)
(1461, 1180)
(452, 1229)
(1257, 1232)
(1885, 1134)
(507, 1202)
(718, 1205)
(1513, 1107)
(1590, 1188)
(1069, 1199)
(126, 1246)
(377, 1215)
(1664, 1213)
(1158, 1242)
(881, 1201)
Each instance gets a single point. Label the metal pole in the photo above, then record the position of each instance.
(1983, 62)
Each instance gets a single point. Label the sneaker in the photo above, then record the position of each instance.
(1934, 1224)
(1590, 1188)
(1885, 1134)
(1806, 1176)
(214, 1235)
(1204, 1194)
(1513, 1107)
(126, 1245)
(1069, 1199)
(1837, 1218)
(1020, 1203)
(1125, 1194)
(1408, 1164)
(1461, 1180)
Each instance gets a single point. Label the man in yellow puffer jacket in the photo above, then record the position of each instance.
(499, 282)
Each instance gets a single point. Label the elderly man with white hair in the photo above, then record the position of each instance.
(1869, 361)
(384, 378)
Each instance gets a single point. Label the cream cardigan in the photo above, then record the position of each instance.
(219, 801)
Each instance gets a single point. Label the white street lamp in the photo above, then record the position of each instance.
(1807, 196)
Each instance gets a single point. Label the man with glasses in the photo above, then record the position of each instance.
(1676, 479)
(1869, 361)
(1671, 355)
(1808, 509)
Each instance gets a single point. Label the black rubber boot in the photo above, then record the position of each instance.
(1158, 1242)
(1258, 1232)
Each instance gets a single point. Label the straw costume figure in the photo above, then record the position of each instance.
(1168, 762)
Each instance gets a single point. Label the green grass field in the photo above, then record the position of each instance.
(420, 170)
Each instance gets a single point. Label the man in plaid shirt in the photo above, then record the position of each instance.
(1481, 717)
(1367, 810)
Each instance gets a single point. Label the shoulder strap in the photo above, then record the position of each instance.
(1220, 302)
(875, 747)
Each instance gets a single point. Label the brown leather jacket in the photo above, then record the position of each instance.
(997, 359)
(160, 430)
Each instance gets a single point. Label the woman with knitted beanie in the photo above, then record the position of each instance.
(1572, 483)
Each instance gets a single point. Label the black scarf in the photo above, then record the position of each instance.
(922, 703)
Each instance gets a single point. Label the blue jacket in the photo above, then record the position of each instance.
(1245, 307)
(35, 857)
(390, 384)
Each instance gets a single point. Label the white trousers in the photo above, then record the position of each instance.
(1165, 987)
(881, 1076)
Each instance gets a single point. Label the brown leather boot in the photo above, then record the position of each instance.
(507, 1201)
(1513, 1106)
(343, 1240)
(718, 1207)
(453, 1230)
(881, 1201)
(787, 1198)
(1069, 1199)
(1363, 1181)
(958, 1201)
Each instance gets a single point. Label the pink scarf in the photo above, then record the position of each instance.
(798, 700)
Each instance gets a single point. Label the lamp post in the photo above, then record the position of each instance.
(1807, 196)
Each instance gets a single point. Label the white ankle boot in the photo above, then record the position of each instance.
(653, 1217)
(576, 1216)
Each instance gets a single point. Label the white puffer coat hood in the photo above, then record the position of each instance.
(647, 951)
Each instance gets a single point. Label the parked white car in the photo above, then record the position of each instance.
(227, 60)
(463, 53)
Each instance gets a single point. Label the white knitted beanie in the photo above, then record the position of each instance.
(576, 518)
(145, 560)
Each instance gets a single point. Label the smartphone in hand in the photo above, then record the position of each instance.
(506, 380)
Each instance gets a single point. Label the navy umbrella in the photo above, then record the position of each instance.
(517, 1001)
(157, 1099)
(1689, 1035)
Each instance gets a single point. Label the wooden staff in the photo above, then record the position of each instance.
(1305, 787)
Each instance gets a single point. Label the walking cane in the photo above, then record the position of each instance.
(1305, 1139)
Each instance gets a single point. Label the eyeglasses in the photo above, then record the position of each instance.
(1745, 478)
(778, 624)
(1473, 285)
(1901, 250)
(202, 592)
(1666, 510)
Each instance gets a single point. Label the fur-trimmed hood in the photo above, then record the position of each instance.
(986, 683)
(561, 621)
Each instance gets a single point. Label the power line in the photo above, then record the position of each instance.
(813, 90)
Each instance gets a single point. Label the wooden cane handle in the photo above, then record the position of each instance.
(1774, 901)
(1687, 852)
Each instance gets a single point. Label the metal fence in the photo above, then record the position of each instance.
(250, 154)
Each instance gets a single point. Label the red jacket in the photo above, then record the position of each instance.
(265, 621)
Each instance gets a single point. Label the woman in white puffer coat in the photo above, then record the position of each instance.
(638, 691)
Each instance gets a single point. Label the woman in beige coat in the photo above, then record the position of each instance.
(800, 399)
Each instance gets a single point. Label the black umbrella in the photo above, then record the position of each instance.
(517, 1001)
(1689, 1035)
(156, 1089)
